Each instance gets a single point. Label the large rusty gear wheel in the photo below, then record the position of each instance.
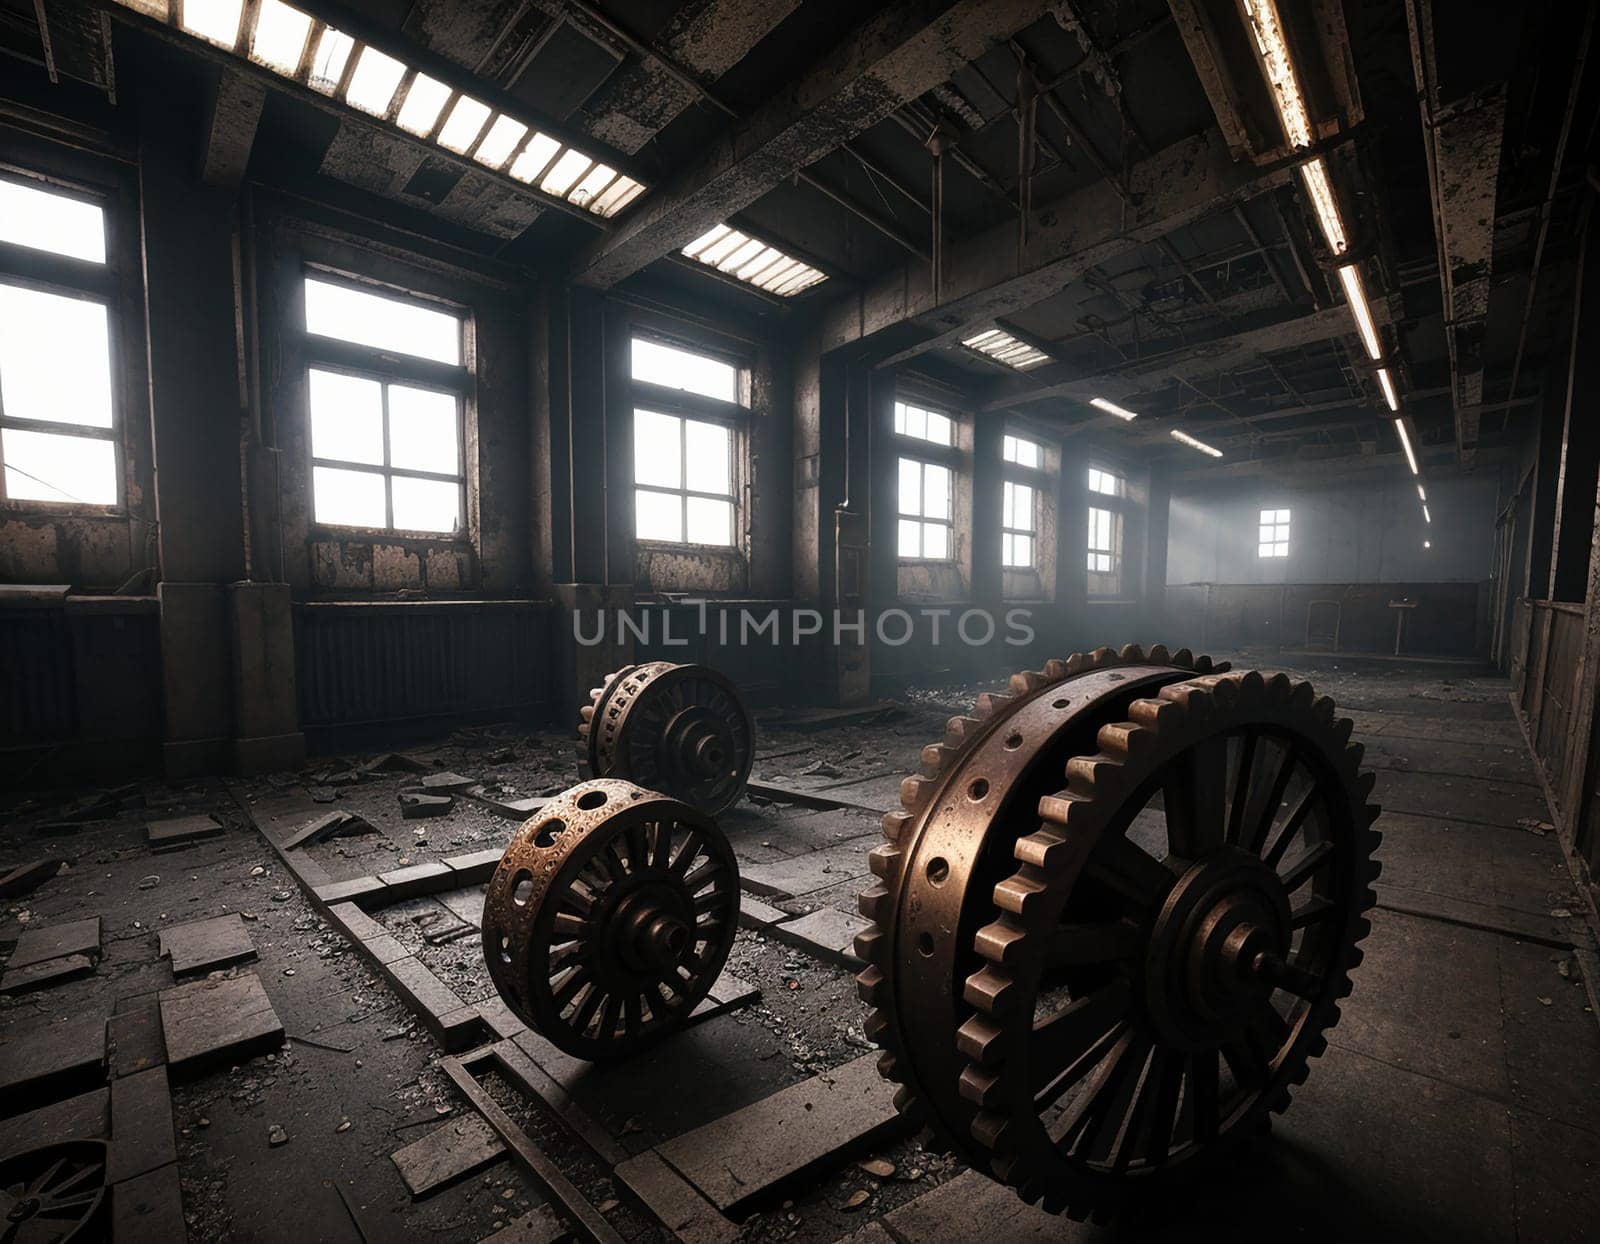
(610, 916)
(678, 729)
(54, 1193)
(1088, 990)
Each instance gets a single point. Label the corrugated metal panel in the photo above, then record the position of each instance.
(362, 664)
(38, 687)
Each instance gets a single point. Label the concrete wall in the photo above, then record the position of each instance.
(1370, 533)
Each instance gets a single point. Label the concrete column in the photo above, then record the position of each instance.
(196, 406)
(1072, 535)
(988, 589)
(266, 709)
(1158, 519)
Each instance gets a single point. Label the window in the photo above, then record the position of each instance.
(683, 466)
(1105, 552)
(58, 426)
(1017, 526)
(923, 425)
(925, 510)
(683, 469)
(1105, 483)
(1274, 534)
(385, 419)
(1023, 452)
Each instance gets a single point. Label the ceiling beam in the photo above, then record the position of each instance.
(1462, 140)
(1142, 377)
(989, 276)
(1330, 467)
(898, 55)
(236, 106)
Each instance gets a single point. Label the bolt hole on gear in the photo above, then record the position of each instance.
(1114, 919)
(679, 729)
(610, 916)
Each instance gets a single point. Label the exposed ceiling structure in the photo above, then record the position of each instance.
(1241, 220)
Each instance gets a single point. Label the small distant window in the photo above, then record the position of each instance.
(383, 323)
(923, 425)
(1021, 451)
(1018, 526)
(683, 477)
(925, 510)
(1274, 534)
(1105, 483)
(57, 418)
(657, 363)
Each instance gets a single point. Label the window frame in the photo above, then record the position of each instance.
(685, 406)
(1108, 585)
(48, 272)
(1277, 546)
(921, 518)
(386, 367)
(1031, 531)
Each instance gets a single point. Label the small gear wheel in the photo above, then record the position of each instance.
(609, 917)
(1086, 990)
(678, 729)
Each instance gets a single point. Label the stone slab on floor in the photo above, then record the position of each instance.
(1507, 867)
(1459, 798)
(673, 1201)
(180, 831)
(43, 975)
(141, 1125)
(747, 1153)
(827, 933)
(416, 880)
(337, 823)
(217, 1020)
(537, 1226)
(84, 1117)
(973, 1207)
(133, 1040)
(466, 903)
(202, 945)
(148, 1209)
(754, 914)
(25, 878)
(55, 941)
(815, 870)
(448, 1153)
(44, 1056)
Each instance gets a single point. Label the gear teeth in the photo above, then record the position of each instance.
(991, 990)
(935, 756)
(991, 1130)
(959, 731)
(870, 985)
(894, 824)
(868, 946)
(980, 1087)
(1078, 663)
(1026, 682)
(981, 1040)
(1158, 655)
(1017, 894)
(874, 902)
(875, 1027)
(884, 861)
(915, 792)
(1055, 669)
(1133, 654)
(586, 713)
(999, 941)
(1184, 658)
(1102, 657)
(992, 702)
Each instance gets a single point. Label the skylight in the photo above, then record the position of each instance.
(276, 36)
(752, 261)
(1004, 348)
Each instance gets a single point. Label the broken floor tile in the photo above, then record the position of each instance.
(447, 1153)
(133, 1039)
(537, 1226)
(415, 805)
(148, 1209)
(84, 1117)
(141, 1125)
(201, 945)
(827, 933)
(221, 1019)
(179, 831)
(44, 1057)
(437, 782)
(43, 975)
(25, 878)
(76, 937)
(338, 823)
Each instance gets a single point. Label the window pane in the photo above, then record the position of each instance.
(707, 454)
(936, 491)
(528, 165)
(372, 85)
(678, 369)
(938, 428)
(422, 433)
(710, 522)
(565, 172)
(423, 103)
(658, 515)
(328, 61)
(346, 418)
(910, 538)
(280, 36)
(657, 450)
(500, 141)
(910, 486)
(215, 20)
(425, 504)
(1005, 549)
(464, 123)
(55, 358)
(348, 498)
(935, 540)
(44, 467)
(917, 423)
(34, 217)
(384, 323)
(1021, 551)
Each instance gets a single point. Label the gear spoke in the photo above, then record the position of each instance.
(1291, 827)
(1129, 870)
(1195, 798)
(1249, 742)
(1268, 811)
(1165, 1086)
(1062, 1039)
(1307, 863)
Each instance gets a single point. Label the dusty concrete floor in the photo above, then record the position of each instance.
(1460, 1097)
